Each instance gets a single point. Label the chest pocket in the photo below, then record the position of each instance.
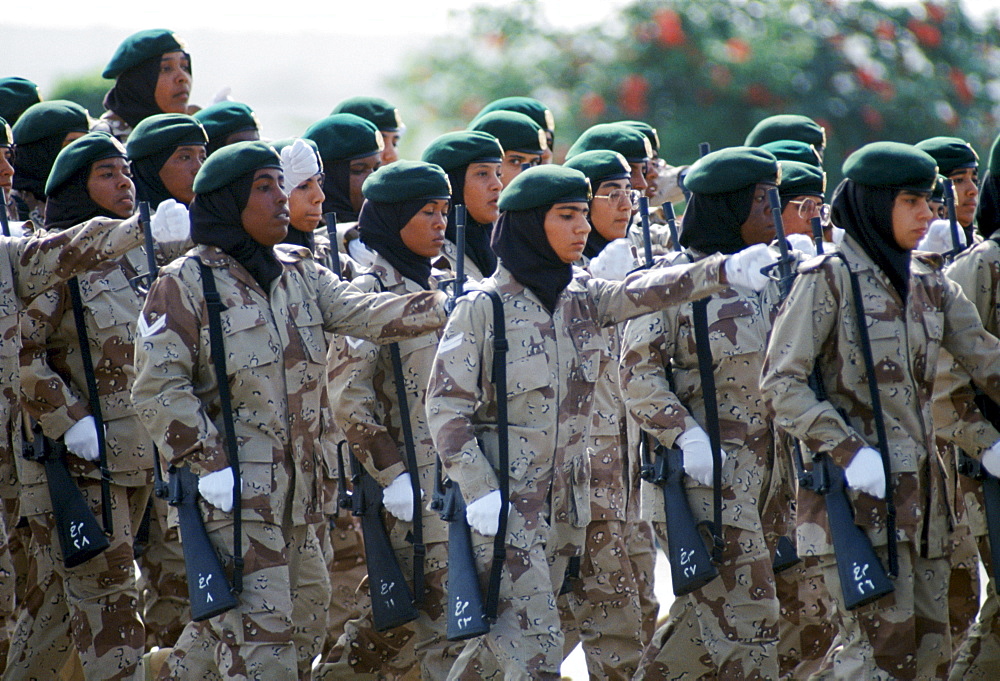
(248, 339)
(888, 350)
(308, 323)
(110, 300)
(590, 345)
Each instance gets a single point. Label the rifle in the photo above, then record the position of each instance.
(704, 148)
(344, 501)
(80, 536)
(208, 586)
(331, 232)
(972, 468)
(668, 213)
(949, 201)
(647, 242)
(466, 614)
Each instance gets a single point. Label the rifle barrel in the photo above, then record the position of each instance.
(647, 242)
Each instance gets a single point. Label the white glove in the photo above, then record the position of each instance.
(16, 228)
(614, 262)
(667, 188)
(360, 253)
(170, 222)
(483, 514)
(217, 489)
(866, 474)
(298, 163)
(223, 95)
(802, 243)
(991, 459)
(697, 450)
(744, 268)
(81, 439)
(938, 238)
(398, 497)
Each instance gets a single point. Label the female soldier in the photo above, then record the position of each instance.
(522, 139)
(384, 115)
(472, 160)
(552, 326)
(166, 151)
(152, 72)
(278, 306)
(911, 311)
(350, 148)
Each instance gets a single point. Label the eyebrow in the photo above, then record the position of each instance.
(106, 164)
(265, 176)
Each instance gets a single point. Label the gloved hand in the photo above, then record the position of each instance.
(697, 450)
(667, 187)
(938, 238)
(866, 474)
(802, 244)
(170, 222)
(217, 489)
(483, 514)
(16, 228)
(81, 439)
(223, 95)
(991, 459)
(398, 497)
(744, 268)
(360, 253)
(298, 163)
(614, 262)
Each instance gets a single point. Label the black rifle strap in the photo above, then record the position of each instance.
(879, 417)
(95, 403)
(503, 455)
(213, 303)
(707, 372)
(417, 531)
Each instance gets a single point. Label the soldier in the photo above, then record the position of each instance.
(16, 95)
(152, 73)
(794, 150)
(278, 306)
(227, 123)
(802, 189)
(385, 117)
(728, 211)
(552, 326)
(533, 109)
(351, 149)
(959, 162)
(89, 179)
(166, 152)
(472, 160)
(788, 127)
(911, 311)
(626, 140)
(522, 139)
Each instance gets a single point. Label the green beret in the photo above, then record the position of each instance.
(515, 131)
(793, 150)
(892, 164)
(380, 112)
(162, 132)
(798, 179)
(345, 137)
(454, 150)
(16, 95)
(233, 161)
(626, 140)
(80, 154)
(545, 186)
(647, 130)
(937, 194)
(47, 119)
(6, 135)
(951, 153)
(528, 106)
(225, 118)
(600, 165)
(140, 47)
(732, 168)
(787, 127)
(406, 181)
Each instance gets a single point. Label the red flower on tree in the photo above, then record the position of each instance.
(886, 30)
(935, 13)
(926, 35)
(961, 85)
(738, 51)
(872, 118)
(632, 95)
(758, 95)
(592, 105)
(671, 30)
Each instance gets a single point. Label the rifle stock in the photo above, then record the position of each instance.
(466, 613)
(991, 484)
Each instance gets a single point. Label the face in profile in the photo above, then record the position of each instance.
(110, 186)
(173, 85)
(265, 217)
(566, 229)
(424, 233)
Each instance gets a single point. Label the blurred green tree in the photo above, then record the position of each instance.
(86, 89)
(708, 70)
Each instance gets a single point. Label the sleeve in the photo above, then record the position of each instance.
(167, 356)
(46, 396)
(957, 419)
(454, 392)
(974, 348)
(803, 326)
(647, 346)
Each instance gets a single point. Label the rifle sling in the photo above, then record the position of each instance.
(95, 403)
(213, 303)
(503, 460)
(706, 371)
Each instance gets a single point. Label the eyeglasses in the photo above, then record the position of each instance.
(810, 208)
(623, 197)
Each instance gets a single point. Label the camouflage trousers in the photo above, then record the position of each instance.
(93, 606)
(602, 609)
(808, 619)
(280, 623)
(641, 549)
(727, 629)
(163, 585)
(979, 655)
(903, 635)
(963, 586)
(344, 551)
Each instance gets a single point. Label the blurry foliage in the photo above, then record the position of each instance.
(708, 70)
(86, 89)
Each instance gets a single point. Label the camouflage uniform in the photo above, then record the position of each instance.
(276, 357)
(552, 366)
(977, 271)
(905, 634)
(737, 613)
(449, 261)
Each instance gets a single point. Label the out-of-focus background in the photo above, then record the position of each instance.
(698, 70)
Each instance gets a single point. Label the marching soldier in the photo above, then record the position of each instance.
(16, 95)
(533, 109)
(522, 139)
(785, 127)
(959, 162)
(228, 123)
(351, 148)
(385, 117)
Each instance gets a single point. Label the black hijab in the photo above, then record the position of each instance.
(297, 237)
(337, 187)
(595, 242)
(477, 234)
(712, 222)
(146, 175)
(379, 226)
(217, 220)
(519, 241)
(988, 210)
(865, 213)
(33, 163)
(133, 97)
(71, 204)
